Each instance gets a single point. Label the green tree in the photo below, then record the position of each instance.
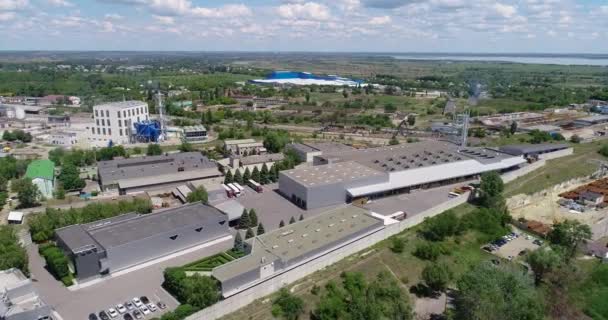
(70, 177)
(490, 292)
(198, 195)
(28, 194)
(186, 146)
(491, 188)
(154, 150)
(603, 150)
(575, 139)
(411, 120)
(12, 254)
(543, 261)
(247, 175)
(569, 235)
(238, 177)
(261, 229)
(253, 218)
(393, 141)
(292, 220)
(513, 127)
(439, 227)
(265, 179)
(228, 177)
(390, 108)
(429, 251)
(287, 306)
(244, 221)
(249, 234)
(238, 242)
(437, 276)
(397, 244)
(8, 136)
(281, 224)
(255, 175)
(60, 192)
(301, 217)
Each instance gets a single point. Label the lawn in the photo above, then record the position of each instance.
(207, 264)
(558, 170)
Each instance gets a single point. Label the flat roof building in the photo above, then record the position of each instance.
(115, 121)
(120, 242)
(339, 177)
(194, 134)
(533, 149)
(144, 173)
(294, 245)
(18, 298)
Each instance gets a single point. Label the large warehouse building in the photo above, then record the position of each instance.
(127, 240)
(294, 245)
(154, 172)
(343, 176)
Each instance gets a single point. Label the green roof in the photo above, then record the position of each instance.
(41, 169)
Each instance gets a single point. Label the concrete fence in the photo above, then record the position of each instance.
(328, 258)
(512, 175)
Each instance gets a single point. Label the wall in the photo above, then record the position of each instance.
(512, 175)
(556, 154)
(136, 252)
(45, 186)
(271, 285)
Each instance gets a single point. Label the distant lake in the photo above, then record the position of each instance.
(581, 60)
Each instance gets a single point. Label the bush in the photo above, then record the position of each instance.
(397, 245)
(180, 313)
(12, 254)
(429, 251)
(440, 227)
(67, 281)
(198, 291)
(287, 306)
(56, 262)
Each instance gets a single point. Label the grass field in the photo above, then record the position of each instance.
(558, 170)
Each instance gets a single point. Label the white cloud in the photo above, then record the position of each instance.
(7, 16)
(227, 11)
(380, 20)
(113, 16)
(10, 5)
(504, 10)
(164, 19)
(307, 11)
(60, 3)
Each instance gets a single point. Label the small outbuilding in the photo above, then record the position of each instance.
(15, 217)
(42, 174)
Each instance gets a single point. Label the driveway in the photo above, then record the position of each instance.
(74, 305)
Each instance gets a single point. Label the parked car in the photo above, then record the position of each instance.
(121, 309)
(145, 310)
(538, 242)
(522, 252)
(144, 299)
(487, 248)
(152, 307)
(129, 305)
(127, 316)
(137, 314)
(137, 302)
(113, 313)
(103, 315)
(161, 305)
(93, 316)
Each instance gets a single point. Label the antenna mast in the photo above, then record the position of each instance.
(161, 113)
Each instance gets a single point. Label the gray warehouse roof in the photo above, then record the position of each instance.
(133, 227)
(262, 158)
(519, 149)
(301, 239)
(151, 167)
(331, 173)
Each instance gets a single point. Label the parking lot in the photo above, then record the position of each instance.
(514, 245)
(107, 293)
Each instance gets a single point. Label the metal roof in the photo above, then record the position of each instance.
(150, 169)
(331, 173)
(519, 149)
(299, 240)
(262, 158)
(122, 105)
(241, 141)
(194, 128)
(41, 169)
(133, 227)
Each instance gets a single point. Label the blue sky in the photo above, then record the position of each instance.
(552, 26)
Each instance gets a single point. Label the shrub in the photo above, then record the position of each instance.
(429, 251)
(397, 245)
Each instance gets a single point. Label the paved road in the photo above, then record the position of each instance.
(74, 305)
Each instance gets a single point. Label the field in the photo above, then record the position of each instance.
(558, 170)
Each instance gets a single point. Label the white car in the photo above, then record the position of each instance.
(145, 310)
(152, 307)
(137, 302)
(112, 313)
(121, 308)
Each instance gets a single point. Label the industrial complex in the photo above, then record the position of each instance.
(113, 244)
(344, 176)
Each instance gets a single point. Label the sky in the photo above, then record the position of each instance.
(505, 26)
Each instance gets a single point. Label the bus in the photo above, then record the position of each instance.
(229, 191)
(235, 190)
(255, 186)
